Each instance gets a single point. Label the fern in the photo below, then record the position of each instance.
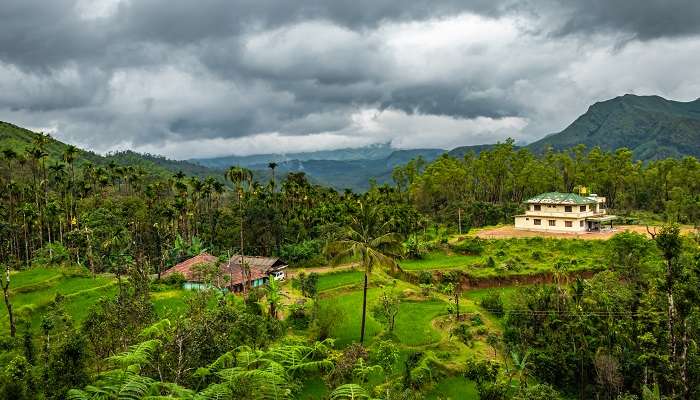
(138, 355)
(349, 392)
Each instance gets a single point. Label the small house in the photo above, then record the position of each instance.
(564, 212)
(205, 270)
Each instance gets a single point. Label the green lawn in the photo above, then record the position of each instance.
(440, 260)
(335, 280)
(413, 323)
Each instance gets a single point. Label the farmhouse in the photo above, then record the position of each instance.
(564, 212)
(205, 270)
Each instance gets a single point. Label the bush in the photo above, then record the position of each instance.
(328, 317)
(490, 263)
(476, 320)
(176, 279)
(414, 248)
(538, 392)
(463, 334)
(298, 318)
(473, 246)
(425, 278)
(493, 303)
(52, 254)
(537, 255)
(301, 254)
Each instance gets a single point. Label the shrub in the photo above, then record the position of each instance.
(537, 255)
(175, 279)
(328, 317)
(493, 303)
(303, 253)
(298, 318)
(425, 277)
(414, 248)
(463, 334)
(52, 254)
(476, 320)
(490, 263)
(473, 246)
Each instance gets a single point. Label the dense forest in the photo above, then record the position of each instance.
(628, 331)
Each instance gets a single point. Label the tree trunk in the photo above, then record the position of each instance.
(8, 304)
(364, 310)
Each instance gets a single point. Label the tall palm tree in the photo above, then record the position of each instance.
(272, 167)
(241, 179)
(69, 156)
(368, 238)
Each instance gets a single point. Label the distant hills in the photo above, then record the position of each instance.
(651, 126)
(19, 139)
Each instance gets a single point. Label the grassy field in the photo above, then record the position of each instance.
(335, 280)
(34, 290)
(511, 257)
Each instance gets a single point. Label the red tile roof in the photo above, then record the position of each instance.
(185, 267)
(260, 267)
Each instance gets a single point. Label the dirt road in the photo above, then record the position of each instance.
(508, 231)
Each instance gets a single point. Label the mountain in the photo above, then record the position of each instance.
(353, 174)
(651, 126)
(371, 152)
(19, 139)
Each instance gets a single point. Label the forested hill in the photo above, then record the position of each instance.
(20, 140)
(651, 126)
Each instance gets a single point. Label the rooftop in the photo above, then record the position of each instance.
(560, 198)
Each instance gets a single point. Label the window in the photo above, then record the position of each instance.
(583, 208)
(568, 224)
(537, 207)
(580, 223)
(552, 222)
(567, 208)
(537, 221)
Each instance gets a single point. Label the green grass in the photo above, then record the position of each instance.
(517, 257)
(440, 260)
(33, 290)
(335, 280)
(453, 388)
(506, 292)
(170, 303)
(414, 322)
(350, 303)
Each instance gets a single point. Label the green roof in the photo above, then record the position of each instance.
(560, 198)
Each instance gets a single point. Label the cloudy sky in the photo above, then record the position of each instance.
(217, 77)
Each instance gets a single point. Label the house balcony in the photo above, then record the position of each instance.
(563, 214)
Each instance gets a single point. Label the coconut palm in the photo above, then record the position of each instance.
(370, 240)
(272, 166)
(241, 179)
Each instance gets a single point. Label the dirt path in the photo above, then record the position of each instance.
(509, 231)
(292, 272)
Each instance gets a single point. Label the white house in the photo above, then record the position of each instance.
(564, 212)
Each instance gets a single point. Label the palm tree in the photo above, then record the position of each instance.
(369, 239)
(272, 167)
(241, 179)
(69, 156)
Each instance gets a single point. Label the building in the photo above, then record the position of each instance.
(564, 212)
(228, 274)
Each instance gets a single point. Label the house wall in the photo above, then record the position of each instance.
(528, 222)
(559, 210)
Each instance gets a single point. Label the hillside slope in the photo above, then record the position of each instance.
(20, 139)
(651, 126)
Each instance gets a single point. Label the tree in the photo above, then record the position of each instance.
(6, 292)
(242, 179)
(387, 307)
(273, 294)
(369, 240)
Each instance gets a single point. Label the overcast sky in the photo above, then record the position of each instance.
(217, 77)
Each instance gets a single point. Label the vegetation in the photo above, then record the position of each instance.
(87, 315)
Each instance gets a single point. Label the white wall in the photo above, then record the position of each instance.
(528, 222)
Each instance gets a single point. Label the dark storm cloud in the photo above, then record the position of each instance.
(147, 71)
(644, 20)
